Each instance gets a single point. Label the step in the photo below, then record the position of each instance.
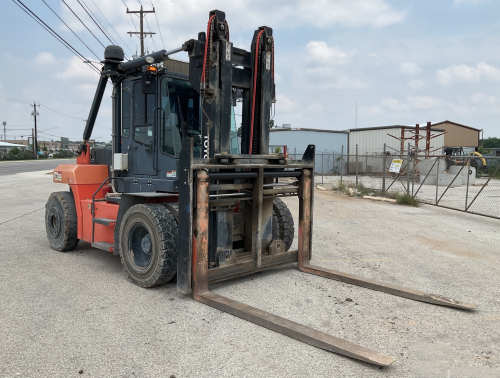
(104, 221)
(114, 198)
(105, 246)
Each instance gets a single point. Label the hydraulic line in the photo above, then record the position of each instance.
(254, 90)
(206, 49)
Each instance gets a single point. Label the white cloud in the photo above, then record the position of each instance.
(76, 69)
(410, 68)
(460, 109)
(315, 107)
(320, 53)
(469, 1)
(423, 102)
(412, 102)
(461, 73)
(393, 104)
(489, 72)
(326, 13)
(415, 84)
(45, 58)
(370, 111)
(483, 99)
(284, 103)
(346, 83)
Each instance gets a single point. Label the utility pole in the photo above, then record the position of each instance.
(142, 33)
(4, 130)
(33, 140)
(34, 113)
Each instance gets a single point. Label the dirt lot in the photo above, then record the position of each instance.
(62, 313)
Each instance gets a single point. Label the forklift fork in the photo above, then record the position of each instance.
(308, 335)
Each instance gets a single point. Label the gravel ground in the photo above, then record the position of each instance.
(66, 313)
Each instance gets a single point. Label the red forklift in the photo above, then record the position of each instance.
(176, 197)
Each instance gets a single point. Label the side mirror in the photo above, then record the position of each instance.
(149, 82)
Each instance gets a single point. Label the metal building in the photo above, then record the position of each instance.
(297, 140)
(371, 140)
(458, 135)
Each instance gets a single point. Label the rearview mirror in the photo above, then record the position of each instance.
(148, 83)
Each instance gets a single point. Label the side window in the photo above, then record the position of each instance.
(126, 112)
(143, 115)
(170, 135)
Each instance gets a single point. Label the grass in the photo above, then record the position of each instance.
(345, 186)
(406, 199)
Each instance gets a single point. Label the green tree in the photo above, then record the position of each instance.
(490, 142)
(15, 151)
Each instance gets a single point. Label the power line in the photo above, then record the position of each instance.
(106, 33)
(62, 114)
(52, 32)
(158, 26)
(10, 99)
(83, 23)
(71, 30)
(125, 43)
(154, 43)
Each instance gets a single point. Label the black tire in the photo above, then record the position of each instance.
(61, 222)
(148, 244)
(283, 227)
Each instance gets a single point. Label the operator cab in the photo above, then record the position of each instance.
(154, 123)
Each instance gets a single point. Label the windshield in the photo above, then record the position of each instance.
(180, 116)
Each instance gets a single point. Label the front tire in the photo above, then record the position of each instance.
(61, 222)
(148, 244)
(283, 228)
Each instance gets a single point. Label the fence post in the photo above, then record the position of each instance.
(384, 169)
(322, 167)
(356, 166)
(341, 163)
(437, 180)
(414, 161)
(467, 190)
(408, 170)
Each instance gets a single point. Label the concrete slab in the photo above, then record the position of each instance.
(65, 312)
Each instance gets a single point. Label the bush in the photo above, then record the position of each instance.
(43, 156)
(15, 151)
(406, 199)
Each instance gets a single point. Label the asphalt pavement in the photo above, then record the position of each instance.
(75, 314)
(21, 166)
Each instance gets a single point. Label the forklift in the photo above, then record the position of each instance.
(174, 196)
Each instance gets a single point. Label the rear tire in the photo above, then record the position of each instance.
(61, 222)
(148, 244)
(283, 227)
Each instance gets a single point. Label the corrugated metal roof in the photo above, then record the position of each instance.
(422, 127)
(5, 144)
(177, 66)
(315, 130)
(454, 123)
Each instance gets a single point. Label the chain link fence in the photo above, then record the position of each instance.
(465, 183)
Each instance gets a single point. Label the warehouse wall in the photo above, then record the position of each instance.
(458, 135)
(324, 140)
(372, 141)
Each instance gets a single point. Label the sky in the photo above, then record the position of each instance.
(339, 64)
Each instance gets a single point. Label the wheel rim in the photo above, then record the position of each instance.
(140, 247)
(54, 222)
